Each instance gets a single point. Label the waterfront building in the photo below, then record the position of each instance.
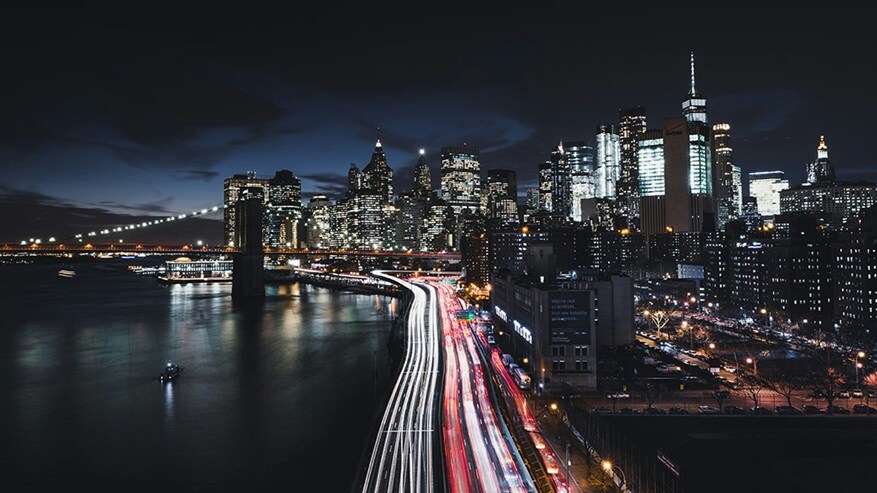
(765, 187)
(184, 269)
(631, 126)
(461, 178)
(607, 164)
(319, 224)
(232, 188)
(284, 210)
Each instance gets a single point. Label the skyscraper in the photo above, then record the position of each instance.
(631, 125)
(461, 178)
(580, 158)
(502, 193)
(284, 210)
(608, 166)
(422, 179)
(723, 175)
(410, 209)
(354, 178)
(737, 185)
(545, 186)
(765, 187)
(821, 169)
(650, 157)
(377, 174)
(694, 107)
(319, 227)
(232, 188)
(561, 183)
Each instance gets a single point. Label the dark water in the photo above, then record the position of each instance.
(277, 396)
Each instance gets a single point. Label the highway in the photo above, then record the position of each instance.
(480, 454)
(402, 457)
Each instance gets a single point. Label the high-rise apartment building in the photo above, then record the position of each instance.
(461, 178)
(561, 182)
(607, 164)
(631, 126)
(723, 175)
(765, 187)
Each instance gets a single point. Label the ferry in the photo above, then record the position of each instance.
(66, 273)
(170, 372)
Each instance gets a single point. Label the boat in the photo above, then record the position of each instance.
(170, 373)
(66, 273)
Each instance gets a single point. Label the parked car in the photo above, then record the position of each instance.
(601, 410)
(872, 394)
(708, 410)
(844, 394)
(857, 393)
(722, 394)
(729, 368)
(731, 409)
(628, 410)
(817, 394)
(863, 409)
(761, 411)
(654, 410)
(788, 410)
(808, 409)
(677, 410)
(618, 395)
(837, 410)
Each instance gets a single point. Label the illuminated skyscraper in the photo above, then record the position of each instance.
(319, 227)
(377, 174)
(561, 183)
(502, 192)
(694, 107)
(232, 188)
(737, 180)
(422, 178)
(765, 187)
(723, 175)
(821, 169)
(545, 186)
(631, 125)
(354, 178)
(580, 158)
(608, 166)
(650, 157)
(284, 210)
(461, 178)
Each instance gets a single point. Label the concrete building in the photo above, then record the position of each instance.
(765, 187)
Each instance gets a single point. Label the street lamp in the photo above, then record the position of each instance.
(608, 466)
(858, 364)
(754, 363)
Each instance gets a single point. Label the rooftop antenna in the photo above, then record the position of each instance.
(693, 92)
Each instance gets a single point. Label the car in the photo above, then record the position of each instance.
(491, 340)
(731, 409)
(837, 410)
(708, 410)
(844, 394)
(857, 393)
(654, 410)
(872, 394)
(788, 410)
(817, 394)
(618, 395)
(601, 410)
(729, 369)
(722, 394)
(677, 410)
(760, 411)
(808, 409)
(863, 409)
(627, 410)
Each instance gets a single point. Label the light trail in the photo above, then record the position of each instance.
(402, 457)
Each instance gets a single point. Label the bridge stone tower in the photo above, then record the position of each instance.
(248, 279)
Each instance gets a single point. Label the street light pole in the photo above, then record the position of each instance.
(860, 354)
(608, 466)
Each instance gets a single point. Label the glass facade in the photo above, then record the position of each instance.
(608, 164)
(461, 178)
(650, 154)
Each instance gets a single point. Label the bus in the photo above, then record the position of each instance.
(521, 378)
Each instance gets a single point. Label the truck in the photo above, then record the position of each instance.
(521, 378)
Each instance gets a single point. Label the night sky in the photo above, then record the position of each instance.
(112, 115)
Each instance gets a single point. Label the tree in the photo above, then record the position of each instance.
(753, 391)
(870, 379)
(651, 392)
(658, 317)
(786, 382)
(825, 374)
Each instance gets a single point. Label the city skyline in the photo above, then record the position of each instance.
(192, 104)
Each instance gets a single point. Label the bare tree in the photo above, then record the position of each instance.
(658, 317)
(753, 391)
(786, 382)
(651, 392)
(825, 374)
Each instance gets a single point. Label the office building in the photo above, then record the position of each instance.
(284, 210)
(502, 197)
(378, 176)
(737, 185)
(410, 213)
(545, 186)
(820, 169)
(607, 164)
(694, 107)
(723, 175)
(765, 187)
(354, 178)
(561, 182)
(461, 178)
(232, 188)
(631, 126)
(580, 158)
(422, 178)
(319, 223)
(437, 230)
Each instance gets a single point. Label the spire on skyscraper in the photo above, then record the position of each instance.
(692, 91)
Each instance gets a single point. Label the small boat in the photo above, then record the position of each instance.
(66, 273)
(170, 373)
